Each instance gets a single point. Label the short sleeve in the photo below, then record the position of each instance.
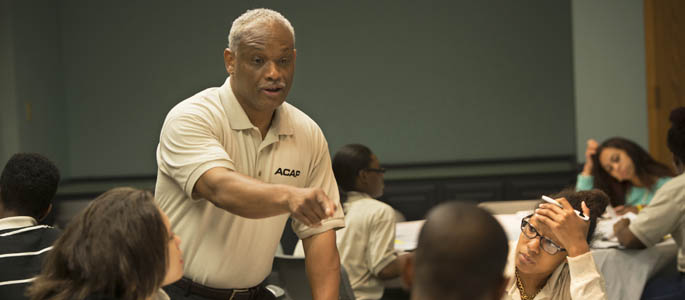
(322, 177)
(189, 147)
(584, 183)
(661, 217)
(380, 250)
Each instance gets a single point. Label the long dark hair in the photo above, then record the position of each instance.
(347, 163)
(117, 247)
(646, 168)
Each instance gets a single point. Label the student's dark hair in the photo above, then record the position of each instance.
(117, 247)
(461, 253)
(676, 134)
(646, 168)
(596, 200)
(347, 163)
(28, 184)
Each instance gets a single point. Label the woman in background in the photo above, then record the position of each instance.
(367, 243)
(624, 171)
(120, 247)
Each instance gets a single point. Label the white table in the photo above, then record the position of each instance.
(625, 271)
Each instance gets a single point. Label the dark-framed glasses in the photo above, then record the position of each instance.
(377, 170)
(531, 233)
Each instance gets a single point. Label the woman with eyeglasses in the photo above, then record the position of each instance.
(366, 244)
(552, 258)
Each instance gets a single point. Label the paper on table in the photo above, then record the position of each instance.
(407, 235)
(604, 233)
(611, 212)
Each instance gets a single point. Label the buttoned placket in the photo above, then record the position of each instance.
(270, 138)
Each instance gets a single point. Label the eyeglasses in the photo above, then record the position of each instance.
(378, 170)
(531, 233)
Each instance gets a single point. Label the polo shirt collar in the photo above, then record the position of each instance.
(354, 196)
(17, 222)
(238, 120)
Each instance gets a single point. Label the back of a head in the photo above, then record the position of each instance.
(461, 254)
(117, 246)
(676, 134)
(28, 184)
(347, 163)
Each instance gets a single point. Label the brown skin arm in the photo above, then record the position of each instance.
(251, 198)
(323, 265)
(626, 237)
(394, 269)
(624, 209)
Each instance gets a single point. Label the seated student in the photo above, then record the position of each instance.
(461, 253)
(624, 171)
(367, 242)
(665, 215)
(552, 258)
(120, 247)
(27, 186)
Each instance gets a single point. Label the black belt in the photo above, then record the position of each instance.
(191, 287)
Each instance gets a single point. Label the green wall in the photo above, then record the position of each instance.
(416, 81)
(609, 64)
(34, 110)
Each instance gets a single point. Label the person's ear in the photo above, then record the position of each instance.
(408, 273)
(363, 177)
(46, 213)
(229, 61)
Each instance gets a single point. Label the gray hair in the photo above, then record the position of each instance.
(246, 22)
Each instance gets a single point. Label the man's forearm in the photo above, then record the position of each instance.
(323, 265)
(241, 194)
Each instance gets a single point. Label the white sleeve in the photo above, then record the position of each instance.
(586, 281)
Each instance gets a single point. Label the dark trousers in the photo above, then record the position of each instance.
(665, 287)
(177, 293)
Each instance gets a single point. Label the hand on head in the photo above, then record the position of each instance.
(310, 205)
(563, 225)
(590, 150)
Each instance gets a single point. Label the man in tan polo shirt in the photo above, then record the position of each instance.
(234, 162)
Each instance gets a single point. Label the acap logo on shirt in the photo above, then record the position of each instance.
(287, 172)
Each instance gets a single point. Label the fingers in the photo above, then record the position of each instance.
(586, 210)
(302, 218)
(318, 205)
(621, 224)
(592, 144)
(564, 203)
(326, 204)
(545, 225)
(550, 211)
(620, 210)
(311, 206)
